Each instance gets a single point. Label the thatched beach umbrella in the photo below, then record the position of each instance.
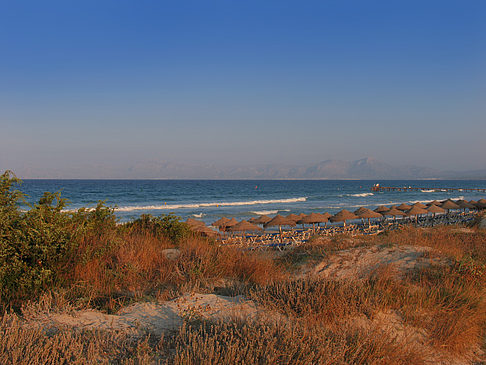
(393, 211)
(262, 220)
(419, 205)
(464, 204)
(279, 221)
(365, 213)
(416, 211)
(403, 207)
(434, 209)
(433, 202)
(313, 218)
(449, 204)
(326, 215)
(205, 230)
(220, 222)
(481, 204)
(475, 204)
(294, 217)
(244, 226)
(228, 224)
(231, 222)
(194, 222)
(381, 209)
(343, 216)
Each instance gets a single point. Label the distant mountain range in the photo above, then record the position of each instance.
(365, 168)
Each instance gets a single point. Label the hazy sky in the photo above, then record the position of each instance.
(116, 83)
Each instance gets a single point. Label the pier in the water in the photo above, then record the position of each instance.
(378, 187)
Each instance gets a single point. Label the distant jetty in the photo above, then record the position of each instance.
(378, 187)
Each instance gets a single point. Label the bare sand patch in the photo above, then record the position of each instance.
(360, 262)
(153, 317)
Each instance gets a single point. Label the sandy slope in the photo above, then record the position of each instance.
(360, 262)
(153, 317)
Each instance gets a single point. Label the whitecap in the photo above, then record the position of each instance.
(206, 205)
(361, 194)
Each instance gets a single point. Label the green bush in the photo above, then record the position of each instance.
(166, 226)
(31, 243)
(41, 243)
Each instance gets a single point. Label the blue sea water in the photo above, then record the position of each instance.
(209, 200)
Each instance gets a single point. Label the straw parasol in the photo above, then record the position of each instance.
(262, 219)
(464, 204)
(194, 222)
(477, 205)
(244, 226)
(326, 215)
(343, 216)
(433, 202)
(313, 218)
(220, 222)
(434, 209)
(279, 221)
(404, 207)
(205, 230)
(393, 211)
(228, 224)
(231, 222)
(382, 209)
(419, 205)
(481, 204)
(294, 217)
(365, 213)
(416, 211)
(449, 204)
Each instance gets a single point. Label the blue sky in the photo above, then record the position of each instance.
(116, 83)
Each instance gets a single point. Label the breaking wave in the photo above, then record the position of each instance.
(206, 205)
(361, 194)
(268, 212)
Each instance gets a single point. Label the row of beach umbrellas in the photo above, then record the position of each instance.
(434, 207)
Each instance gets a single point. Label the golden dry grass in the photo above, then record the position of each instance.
(326, 320)
(119, 268)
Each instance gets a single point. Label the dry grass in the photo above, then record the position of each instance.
(256, 343)
(205, 343)
(19, 345)
(111, 271)
(328, 321)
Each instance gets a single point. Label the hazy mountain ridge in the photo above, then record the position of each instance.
(365, 168)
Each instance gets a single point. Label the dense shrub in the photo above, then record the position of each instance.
(166, 226)
(91, 256)
(31, 242)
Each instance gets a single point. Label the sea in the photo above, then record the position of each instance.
(209, 200)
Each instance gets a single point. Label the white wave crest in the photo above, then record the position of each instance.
(206, 205)
(361, 194)
(267, 212)
(198, 215)
(428, 201)
(264, 212)
(429, 191)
